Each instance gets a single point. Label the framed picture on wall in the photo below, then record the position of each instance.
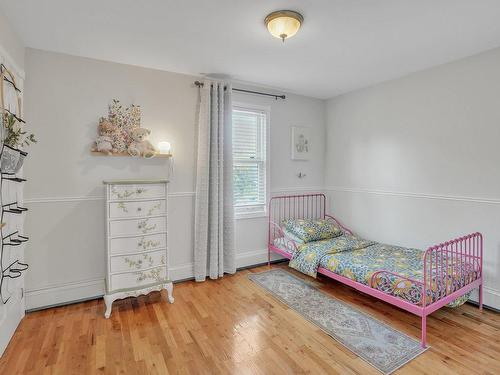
(301, 143)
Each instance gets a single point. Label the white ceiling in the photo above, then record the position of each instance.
(343, 44)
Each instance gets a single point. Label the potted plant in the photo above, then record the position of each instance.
(15, 137)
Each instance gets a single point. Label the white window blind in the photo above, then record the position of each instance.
(249, 159)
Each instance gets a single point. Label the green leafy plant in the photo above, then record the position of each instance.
(16, 136)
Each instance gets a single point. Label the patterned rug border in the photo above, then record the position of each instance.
(307, 282)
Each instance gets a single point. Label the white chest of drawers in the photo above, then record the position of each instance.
(136, 239)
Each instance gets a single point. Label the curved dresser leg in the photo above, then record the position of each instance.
(170, 289)
(108, 300)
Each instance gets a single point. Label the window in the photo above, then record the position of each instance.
(250, 126)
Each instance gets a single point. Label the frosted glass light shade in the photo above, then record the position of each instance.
(284, 24)
(164, 147)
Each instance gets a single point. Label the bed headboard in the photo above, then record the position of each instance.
(306, 206)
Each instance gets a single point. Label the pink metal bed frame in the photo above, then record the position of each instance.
(439, 260)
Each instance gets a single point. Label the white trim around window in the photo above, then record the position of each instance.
(255, 159)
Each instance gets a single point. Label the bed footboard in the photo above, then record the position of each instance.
(452, 267)
(449, 269)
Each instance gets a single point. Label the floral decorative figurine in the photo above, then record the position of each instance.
(121, 133)
(125, 119)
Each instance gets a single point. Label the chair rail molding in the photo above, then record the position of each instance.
(83, 198)
(179, 194)
(458, 198)
(284, 190)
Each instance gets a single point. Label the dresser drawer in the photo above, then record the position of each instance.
(138, 262)
(137, 226)
(136, 244)
(137, 279)
(138, 208)
(119, 192)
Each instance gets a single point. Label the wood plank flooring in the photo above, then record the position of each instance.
(232, 326)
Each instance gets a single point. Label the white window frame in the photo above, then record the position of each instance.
(250, 212)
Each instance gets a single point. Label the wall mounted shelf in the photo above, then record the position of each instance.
(124, 154)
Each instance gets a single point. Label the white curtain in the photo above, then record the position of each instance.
(214, 252)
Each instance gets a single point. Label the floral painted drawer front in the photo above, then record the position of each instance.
(137, 244)
(139, 278)
(137, 226)
(136, 208)
(138, 262)
(126, 192)
(136, 223)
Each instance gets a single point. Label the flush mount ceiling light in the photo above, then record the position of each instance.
(284, 24)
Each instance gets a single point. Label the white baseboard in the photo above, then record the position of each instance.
(491, 297)
(251, 258)
(64, 293)
(60, 294)
(88, 289)
(182, 272)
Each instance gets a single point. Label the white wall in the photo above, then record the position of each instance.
(64, 98)
(11, 45)
(417, 160)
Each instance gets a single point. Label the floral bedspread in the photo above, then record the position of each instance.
(308, 258)
(358, 260)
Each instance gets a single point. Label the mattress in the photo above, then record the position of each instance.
(366, 258)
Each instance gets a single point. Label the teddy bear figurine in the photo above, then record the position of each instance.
(104, 142)
(139, 145)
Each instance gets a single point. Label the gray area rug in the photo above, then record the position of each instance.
(381, 346)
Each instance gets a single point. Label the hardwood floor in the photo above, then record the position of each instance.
(232, 326)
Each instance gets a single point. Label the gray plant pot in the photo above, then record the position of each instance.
(11, 159)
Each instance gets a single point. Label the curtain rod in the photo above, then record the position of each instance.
(200, 84)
